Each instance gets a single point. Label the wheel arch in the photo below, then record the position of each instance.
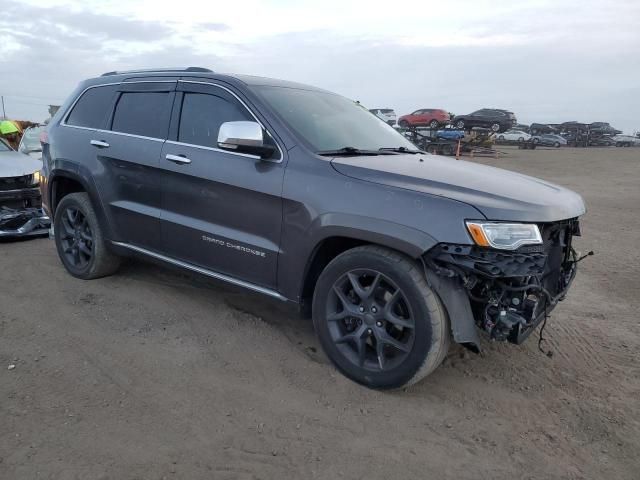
(340, 233)
(64, 182)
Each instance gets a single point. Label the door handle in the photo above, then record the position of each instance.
(179, 159)
(99, 143)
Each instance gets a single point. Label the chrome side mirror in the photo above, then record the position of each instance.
(244, 137)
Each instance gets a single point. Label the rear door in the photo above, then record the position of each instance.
(221, 210)
(129, 150)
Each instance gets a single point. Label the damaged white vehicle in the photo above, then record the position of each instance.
(21, 213)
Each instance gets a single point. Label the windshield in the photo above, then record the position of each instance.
(330, 122)
(31, 139)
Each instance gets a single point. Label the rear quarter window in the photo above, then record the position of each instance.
(90, 110)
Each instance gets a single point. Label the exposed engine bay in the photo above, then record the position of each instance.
(511, 292)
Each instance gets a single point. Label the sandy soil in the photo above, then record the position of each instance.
(153, 374)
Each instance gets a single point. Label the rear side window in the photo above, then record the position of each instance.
(201, 117)
(142, 113)
(91, 109)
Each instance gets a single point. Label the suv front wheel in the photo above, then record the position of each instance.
(378, 320)
(79, 239)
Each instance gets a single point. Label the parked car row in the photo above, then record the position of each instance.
(505, 123)
(546, 139)
(495, 119)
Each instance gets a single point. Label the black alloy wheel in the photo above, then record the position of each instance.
(76, 238)
(370, 320)
(80, 243)
(459, 124)
(495, 127)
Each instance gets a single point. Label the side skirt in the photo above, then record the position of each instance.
(203, 271)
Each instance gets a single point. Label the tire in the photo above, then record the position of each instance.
(459, 124)
(447, 149)
(521, 139)
(535, 140)
(501, 138)
(78, 236)
(418, 346)
(557, 144)
(495, 127)
(432, 149)
(403, 124)
(433, 124)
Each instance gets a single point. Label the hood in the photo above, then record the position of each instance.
(15, 164)
(498, 194)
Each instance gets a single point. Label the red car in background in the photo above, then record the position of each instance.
(425, 117)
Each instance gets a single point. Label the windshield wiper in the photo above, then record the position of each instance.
(400, 150)
(351, 151)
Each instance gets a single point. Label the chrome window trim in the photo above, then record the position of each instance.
(154, 139)
(212, 83)
(63, 123)
(203, 271)
(192, 145)
(70, 109)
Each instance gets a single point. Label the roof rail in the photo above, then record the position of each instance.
(154, 70)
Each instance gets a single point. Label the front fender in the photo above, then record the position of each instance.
(407, 240)
(297, 256)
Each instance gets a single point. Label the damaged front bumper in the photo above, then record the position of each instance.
(508, 292)
(21, 214)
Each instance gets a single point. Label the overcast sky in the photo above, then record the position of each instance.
(547, 61)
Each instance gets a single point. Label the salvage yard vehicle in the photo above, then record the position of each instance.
(626, 141)
(425, 117)
(302, 195)
(493, 118)
(514, 136)
(550, 140)
(21, 213)
(385, 114)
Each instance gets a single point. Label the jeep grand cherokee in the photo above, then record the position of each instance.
(303, 195)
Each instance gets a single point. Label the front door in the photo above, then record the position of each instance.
(221, 211)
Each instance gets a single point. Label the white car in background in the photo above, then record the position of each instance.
(514, 136)
(626, 141)
(386, 114)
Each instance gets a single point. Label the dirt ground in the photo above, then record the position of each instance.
(153, 374)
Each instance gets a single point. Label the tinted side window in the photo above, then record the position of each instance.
(201, 117)
(91, 109)
(142, 113)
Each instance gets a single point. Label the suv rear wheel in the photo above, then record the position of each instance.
(80, 241)
(434, 124)
(459, 124)
(378, 320)
(495, 127)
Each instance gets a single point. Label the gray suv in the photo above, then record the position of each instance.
(302, 195)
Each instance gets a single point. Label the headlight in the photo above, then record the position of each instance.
(36, 178)
(505, 236)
